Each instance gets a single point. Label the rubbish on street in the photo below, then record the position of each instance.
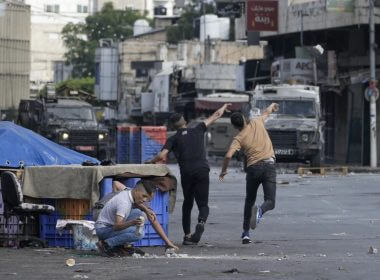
(372, 250)
(70, 262)
(233, 271)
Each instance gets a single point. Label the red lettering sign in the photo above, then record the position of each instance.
(262, 15)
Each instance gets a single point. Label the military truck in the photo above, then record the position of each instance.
(68, 122)
(296, 129)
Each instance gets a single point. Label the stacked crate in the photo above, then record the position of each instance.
(139, 144)
(128, 143)
(74, 209)
(153, 139)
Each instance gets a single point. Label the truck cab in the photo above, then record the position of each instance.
(296, 129)
(68, 122)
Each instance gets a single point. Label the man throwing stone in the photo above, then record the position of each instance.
(254, 141)
(188, 145)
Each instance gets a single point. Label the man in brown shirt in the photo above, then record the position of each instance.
(254, 141)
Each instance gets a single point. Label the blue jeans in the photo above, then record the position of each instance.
(119, 237)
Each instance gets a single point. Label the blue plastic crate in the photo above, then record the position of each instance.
(128, 145)
(49, 233)
(160, 205)
(105, 187)
(150, 146)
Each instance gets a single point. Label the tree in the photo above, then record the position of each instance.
(185, 29)
(82, 39)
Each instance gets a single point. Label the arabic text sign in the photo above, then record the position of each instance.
(340, 6)
(262, 15)
(228, 9)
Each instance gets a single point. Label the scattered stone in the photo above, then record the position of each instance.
(372, 250)
(285, 257)
(322, 255)
(235, 255)
(261, 254)
(349, 255)
(83, 270)
(339, 234)
(70, 262)
(341, 268)
(281, 182)
(279, 259)
(136, 256)
(264, 271)
(233, 271)
(371, 221)
(76, 276)
(179, 274)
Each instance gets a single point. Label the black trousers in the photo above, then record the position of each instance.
(195, 185)
(260, 173)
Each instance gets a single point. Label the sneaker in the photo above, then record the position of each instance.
(199, 229)
(188, 241)
(104, 249)
(245, 239)
(254, 217)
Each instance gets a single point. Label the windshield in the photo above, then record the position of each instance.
(70, 113)
(296, 108)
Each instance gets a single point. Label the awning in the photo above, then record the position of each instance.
(215, 101)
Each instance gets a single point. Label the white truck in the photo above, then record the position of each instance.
(296, 129)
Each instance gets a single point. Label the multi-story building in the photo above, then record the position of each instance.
(151, 7)
(48, 17)
(14, 53)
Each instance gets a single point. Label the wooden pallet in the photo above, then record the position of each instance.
(323, 170)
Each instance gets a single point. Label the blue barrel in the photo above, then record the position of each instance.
(105, 186)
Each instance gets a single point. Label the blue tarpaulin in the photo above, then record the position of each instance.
(22, 147)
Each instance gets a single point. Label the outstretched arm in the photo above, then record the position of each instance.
(226, 162)
(271, 108)
(217, 114)
(156, 225)
(159, 157)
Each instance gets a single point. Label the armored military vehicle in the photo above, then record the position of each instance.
(296, 129)
(68, 122)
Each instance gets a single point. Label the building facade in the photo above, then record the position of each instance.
(14, 53)
(48, 17)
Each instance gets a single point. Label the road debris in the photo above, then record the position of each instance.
(322, 255)
(80, 276)
(339, 234)
(264, 271)
(341, 268)
(349, 254)
(281, 182)
(233, 271)
(83, 270)
(70, 262)
(261, 254)
(372, 250)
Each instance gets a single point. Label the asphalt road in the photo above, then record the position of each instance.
(321, 228)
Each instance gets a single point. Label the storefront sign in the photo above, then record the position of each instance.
(262, 15)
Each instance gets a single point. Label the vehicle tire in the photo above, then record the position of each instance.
(316, 160)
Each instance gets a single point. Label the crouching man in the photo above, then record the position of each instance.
(118, 222)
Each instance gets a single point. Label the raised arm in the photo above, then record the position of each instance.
(271, 108)
(217, 114)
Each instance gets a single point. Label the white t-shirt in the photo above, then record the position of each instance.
(120, 205)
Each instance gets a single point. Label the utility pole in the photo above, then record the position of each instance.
(372, 46)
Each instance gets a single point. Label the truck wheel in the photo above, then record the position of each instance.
(316, 160)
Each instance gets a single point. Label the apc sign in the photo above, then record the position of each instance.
(262, 15)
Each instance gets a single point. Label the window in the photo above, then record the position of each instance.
(52, 9)
(82, 9)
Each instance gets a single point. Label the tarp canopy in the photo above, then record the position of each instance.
(22, 147)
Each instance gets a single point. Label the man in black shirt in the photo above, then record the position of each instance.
(189, 148)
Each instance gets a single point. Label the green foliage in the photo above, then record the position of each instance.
(185, 27)
(82, 39)
(86, 84)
